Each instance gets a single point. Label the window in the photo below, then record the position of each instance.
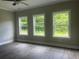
(61, 24)
(23, 26)
(38, 22)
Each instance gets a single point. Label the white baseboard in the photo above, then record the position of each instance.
(6, 42)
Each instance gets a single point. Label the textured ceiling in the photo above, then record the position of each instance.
(7, 5)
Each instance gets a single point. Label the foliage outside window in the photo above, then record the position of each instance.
(38, 22)
(23, 26)
(61, 24)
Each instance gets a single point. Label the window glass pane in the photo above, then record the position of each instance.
(61, 24)
(38, 21)
(23, 26)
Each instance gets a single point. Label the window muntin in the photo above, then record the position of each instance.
(38, 22)
(61, 24)
(23, 26)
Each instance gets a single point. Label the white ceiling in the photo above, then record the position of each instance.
(7, 5)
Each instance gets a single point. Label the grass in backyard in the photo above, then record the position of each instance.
(24, 32)
(61, 34)
(40, 33)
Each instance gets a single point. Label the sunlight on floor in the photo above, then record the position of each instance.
(39, 49)
(20, 46)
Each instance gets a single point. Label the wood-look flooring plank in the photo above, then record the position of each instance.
(29, 51)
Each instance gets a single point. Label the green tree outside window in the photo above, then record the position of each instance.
(61, 24)
(38, 25)
(23, 26)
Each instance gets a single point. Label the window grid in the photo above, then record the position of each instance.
(23, 26)
(61, 24)
(38, 25)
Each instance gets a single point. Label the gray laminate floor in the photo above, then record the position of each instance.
(29, 51)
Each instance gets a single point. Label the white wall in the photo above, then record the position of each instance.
(6, 27)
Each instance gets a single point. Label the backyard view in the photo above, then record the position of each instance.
(38, 25)
(61, 24)
(23, 26)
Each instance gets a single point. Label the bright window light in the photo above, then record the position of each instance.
(38, 28)
(23, 26)
(61, 24)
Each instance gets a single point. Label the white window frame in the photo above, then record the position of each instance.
(67, 26)
(20, 25)
(34, 34)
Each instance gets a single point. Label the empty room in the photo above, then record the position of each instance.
(39, 29)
